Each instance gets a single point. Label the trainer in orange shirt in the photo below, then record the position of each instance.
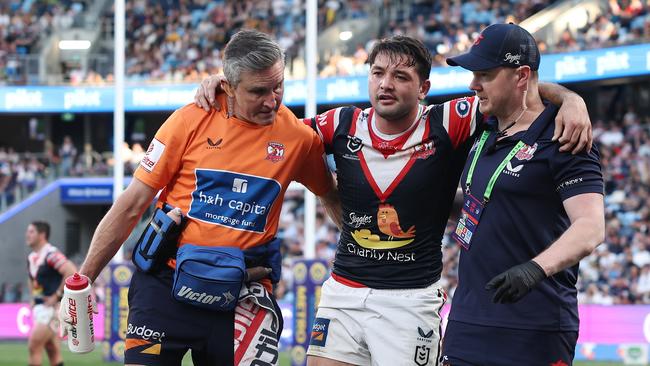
(227, 171)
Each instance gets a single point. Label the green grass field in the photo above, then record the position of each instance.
(15, 354)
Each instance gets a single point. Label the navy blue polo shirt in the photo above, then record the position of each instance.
(524, 216)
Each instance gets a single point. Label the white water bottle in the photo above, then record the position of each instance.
(79, 307)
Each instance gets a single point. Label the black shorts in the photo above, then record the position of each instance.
(160, 329)
(468, 344)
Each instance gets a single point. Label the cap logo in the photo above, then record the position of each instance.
(513, 59)
(479, 39)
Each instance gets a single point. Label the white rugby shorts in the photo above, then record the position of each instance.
(46, 315)
(365, 326)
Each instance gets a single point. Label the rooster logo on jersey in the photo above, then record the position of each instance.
(388, 223)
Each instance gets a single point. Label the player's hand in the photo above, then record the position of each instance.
(205, 96)
(65, 319)
(176, 214)
(573, 126)
(513, 284)
(257, 273)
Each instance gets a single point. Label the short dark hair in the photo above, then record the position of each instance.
(42, 227)
(414, 51)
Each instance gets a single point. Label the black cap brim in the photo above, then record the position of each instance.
(472, 62)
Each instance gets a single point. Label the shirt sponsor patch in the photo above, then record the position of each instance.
(319, 332)
(235, 200)
(568, 183)
(153, 154)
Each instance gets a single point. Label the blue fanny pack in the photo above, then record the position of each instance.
(266, 255)
(209, 277)
(158, 240)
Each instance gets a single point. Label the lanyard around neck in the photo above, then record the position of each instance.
(497, 172)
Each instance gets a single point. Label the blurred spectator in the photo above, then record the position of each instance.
(68, 154)
(13, 293)
(4, 288)
(91, 163)
(567, 43)
(602, 31)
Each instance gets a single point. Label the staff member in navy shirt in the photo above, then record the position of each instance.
(530, 214)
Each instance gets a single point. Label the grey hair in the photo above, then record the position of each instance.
(249, 50)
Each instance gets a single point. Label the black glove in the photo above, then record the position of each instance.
(513, 284)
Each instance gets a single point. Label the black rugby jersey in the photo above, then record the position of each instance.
(396, 192)
(44, 271)
(524, 216)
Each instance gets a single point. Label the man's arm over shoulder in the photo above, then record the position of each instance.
(572, 123)
(116, 226)
(460, 117)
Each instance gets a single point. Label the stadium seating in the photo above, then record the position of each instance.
(184, 44)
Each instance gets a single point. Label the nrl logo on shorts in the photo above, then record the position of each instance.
(354, 144)
(422, 355)
(526, 152)
(274, 152)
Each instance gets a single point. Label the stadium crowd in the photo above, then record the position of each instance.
(23, 23)
(22, 173)
(182, 41)
(190, 47)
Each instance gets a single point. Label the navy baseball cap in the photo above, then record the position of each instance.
(498, 45)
